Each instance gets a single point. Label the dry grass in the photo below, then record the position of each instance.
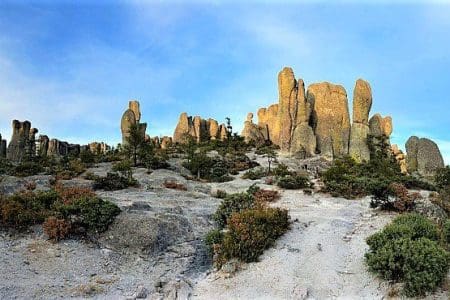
(174, 185)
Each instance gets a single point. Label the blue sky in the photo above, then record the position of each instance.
(71, 69)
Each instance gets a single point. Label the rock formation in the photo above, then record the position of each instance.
(166, 142)
(98, 147)
(200, 129)
(330, 118)
(43, 145)
(252, 132)
(423, 156)
(362, 103)
(132, 116)
(19, 146)
(285, 124)
(400, 157)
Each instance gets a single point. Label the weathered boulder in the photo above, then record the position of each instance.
(58, 148)
(400, 157)
(330, 118)
(386, 126)
(376, 125)
(359, 149)
(287, 107)
(423, 156)
(135, 107)
(268, 120)
(362, 103)
(19, 145)
(213, 128)
(98, 147)
(303, 141)
(223, 132)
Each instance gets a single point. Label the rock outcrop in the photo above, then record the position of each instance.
(132, 116)
(362, 103)
(423, 156)
(330, 118)
(98, 147)
(43, 145)
(199, 129)
(20, 144)
(252, 132)
(166, 142)
(285, 124)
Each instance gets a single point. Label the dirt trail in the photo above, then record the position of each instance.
(322, 255)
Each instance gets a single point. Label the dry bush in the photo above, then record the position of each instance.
(174, 185)
(264, 196)
(68, 194)
(56, 229)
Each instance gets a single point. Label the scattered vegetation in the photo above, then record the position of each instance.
(396, 197)
(409, 250)
(350, 179)
(293, 182)
(62, 211)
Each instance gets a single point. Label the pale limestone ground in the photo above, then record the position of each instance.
(322, 253)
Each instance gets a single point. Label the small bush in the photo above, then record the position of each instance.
(221, 194)
(174, 185)
(252, 231)
(282, 170)
(408, 250)
(68, 194)
(442, 177)
(396, 197)
(264, 196)
(123, 167)
(56, 229)
(293, 182)
(113, 182)
(213, 237)
(232, 203)
(27, 168)
(255, 174)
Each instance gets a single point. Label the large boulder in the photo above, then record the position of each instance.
(330, 118)
(423, 156)
(303, 141)
(376, 125)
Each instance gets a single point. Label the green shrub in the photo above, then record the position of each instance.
(255, 174)
(232, 203)
(213, 237)
(113, 182)
(442, 177)
(63, 211)
(27, 168)
(123, 167)
(282, 170)
(350, 179)
(221, 194)
(408, 250)
(92, 214)
(5, 166)
(293, 182)
(252, 231)
(395, 197)
(211, 169)
(446, 231)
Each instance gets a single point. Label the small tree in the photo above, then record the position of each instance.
(270, 154)
(135, 141)
(189, 147)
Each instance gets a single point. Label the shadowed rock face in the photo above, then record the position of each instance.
(200, 129)
(423, 156)
(2, 147)
(19, 146)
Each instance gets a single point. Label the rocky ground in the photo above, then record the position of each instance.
(154, 249)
